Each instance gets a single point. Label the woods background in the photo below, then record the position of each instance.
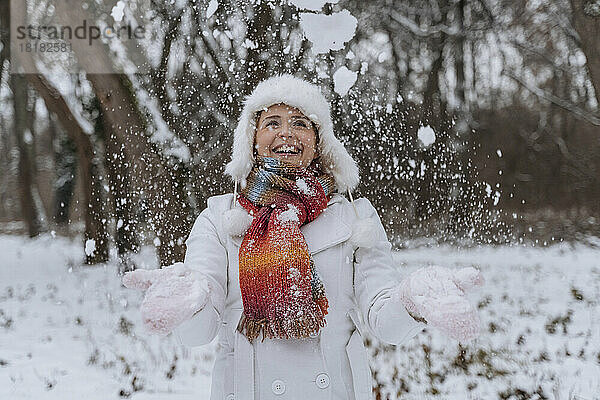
(510, 88)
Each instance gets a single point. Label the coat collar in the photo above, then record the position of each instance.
(327, 230)
(335, 198)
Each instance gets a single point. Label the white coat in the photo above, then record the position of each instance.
(359, 285)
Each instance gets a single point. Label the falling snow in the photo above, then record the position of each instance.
(426, 135)
(313, 5)
(90, 247)
(343, 80)
(118, 11)
(328, 32)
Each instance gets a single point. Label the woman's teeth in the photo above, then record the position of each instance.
(286, 149)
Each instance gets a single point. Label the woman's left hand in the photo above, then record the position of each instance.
(438, 295)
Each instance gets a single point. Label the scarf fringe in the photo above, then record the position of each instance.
(297, 328)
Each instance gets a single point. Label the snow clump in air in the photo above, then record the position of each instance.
(343, 80)
(328, 32)
(118, 11)
(426, 135)
(90, 247)
(313, 5)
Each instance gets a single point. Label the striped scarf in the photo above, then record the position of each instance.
(282, 293)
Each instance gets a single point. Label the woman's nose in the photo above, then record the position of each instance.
(286, 130)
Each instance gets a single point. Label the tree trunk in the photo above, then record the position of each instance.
(123, 198)
(94, 215)
(24, 140)
(4, 37)
(587, 24)
(65, 160)
(459, 57)
(259, 31)
(431, 94)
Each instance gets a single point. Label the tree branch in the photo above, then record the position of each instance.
(577, 111)
(418, 31)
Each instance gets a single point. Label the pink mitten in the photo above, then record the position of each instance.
(437, 294)
(175, 293)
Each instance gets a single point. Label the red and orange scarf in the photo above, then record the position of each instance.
(283, 295)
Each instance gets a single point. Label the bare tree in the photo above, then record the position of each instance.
(24, 136)
(95, 235)
(95, 217)
(159, 183)
(65, 161)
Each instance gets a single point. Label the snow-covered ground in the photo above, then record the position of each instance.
(69, 331)
(540, 312)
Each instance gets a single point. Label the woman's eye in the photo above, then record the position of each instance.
(272, 123)
(302, 124)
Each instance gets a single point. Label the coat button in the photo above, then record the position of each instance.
(278, 386)
(322, 381)
(230, 396)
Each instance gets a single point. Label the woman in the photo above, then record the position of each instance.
(288, 272)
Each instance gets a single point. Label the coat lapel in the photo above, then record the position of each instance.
(326, 231)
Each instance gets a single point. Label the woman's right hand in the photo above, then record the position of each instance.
(173, 295)
(437, 294)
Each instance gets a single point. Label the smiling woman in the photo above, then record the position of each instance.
(284, 133)
(288, 273)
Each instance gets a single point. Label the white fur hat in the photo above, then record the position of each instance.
(306, 97)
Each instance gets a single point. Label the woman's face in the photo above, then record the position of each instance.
(283, 132)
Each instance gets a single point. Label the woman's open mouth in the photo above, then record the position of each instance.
(287, 150)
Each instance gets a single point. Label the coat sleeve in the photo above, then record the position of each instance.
(375, 282)
(207, 254)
